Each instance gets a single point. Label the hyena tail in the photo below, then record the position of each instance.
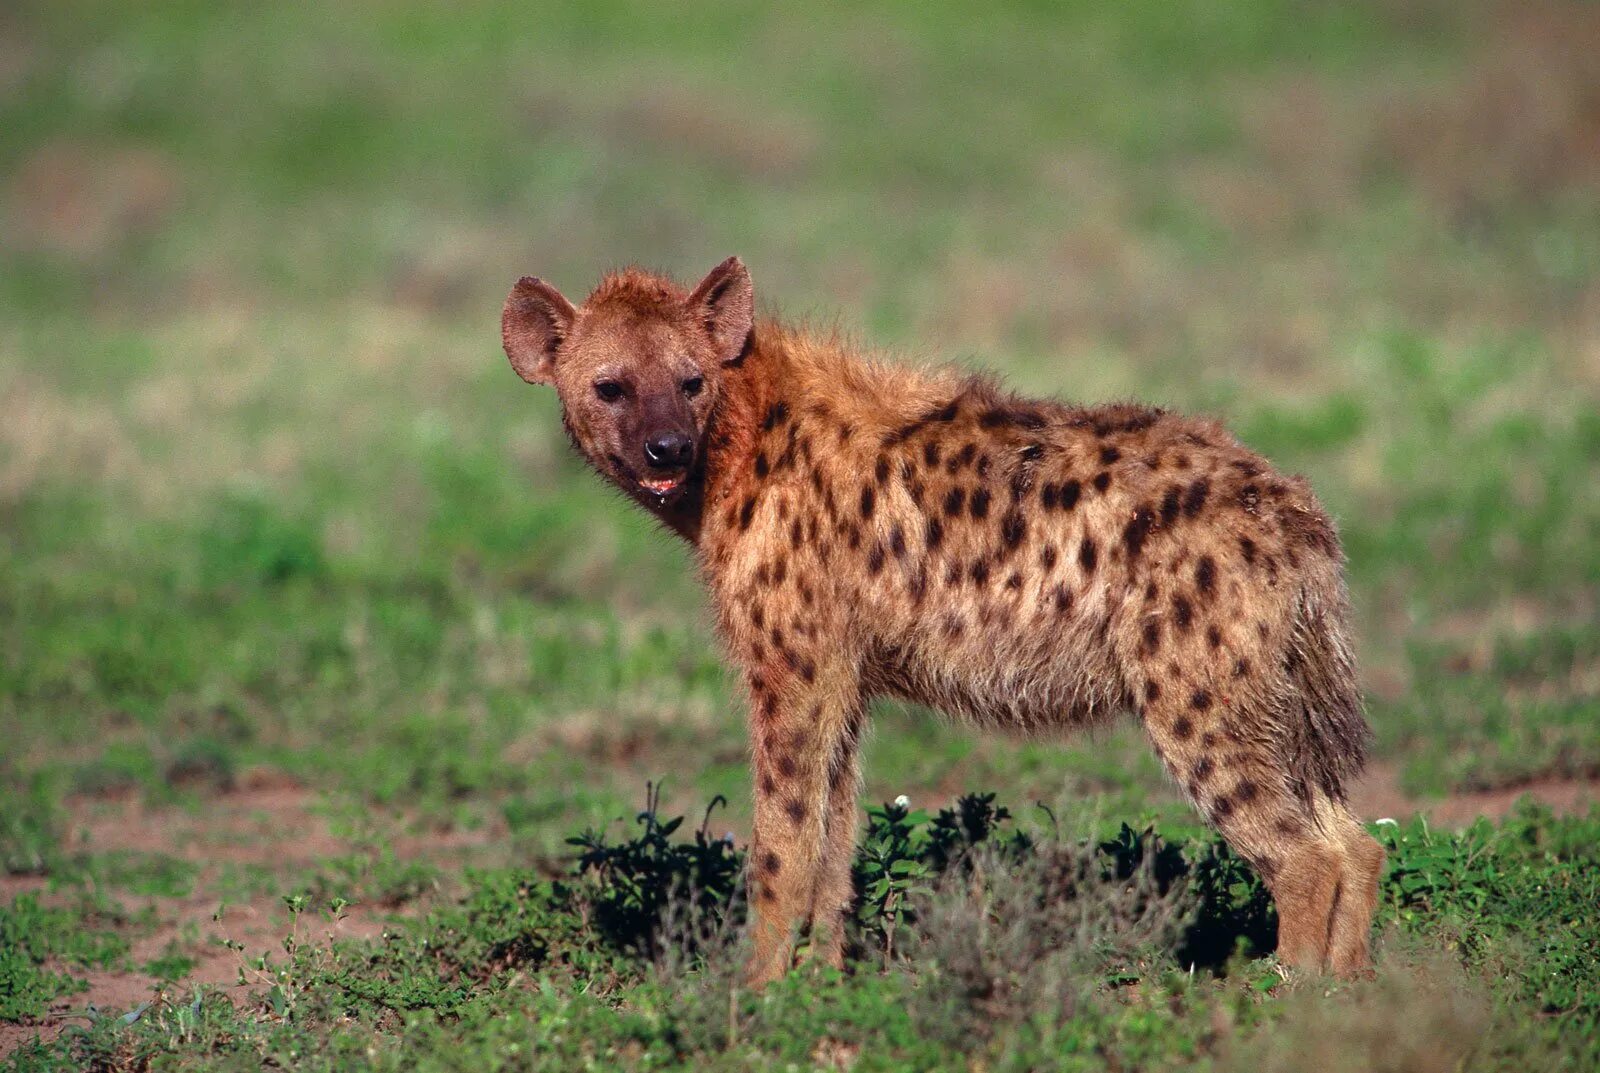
(1328, 732)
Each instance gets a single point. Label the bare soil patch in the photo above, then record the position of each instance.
(269, 821)
(1379, 796)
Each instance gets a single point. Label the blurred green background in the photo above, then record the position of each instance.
(276, 515)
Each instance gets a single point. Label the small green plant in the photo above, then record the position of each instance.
(624, 887)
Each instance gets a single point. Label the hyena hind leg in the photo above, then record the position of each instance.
(1320, 866)
(1358, 900)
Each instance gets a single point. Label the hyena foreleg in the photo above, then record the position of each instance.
(804, 734)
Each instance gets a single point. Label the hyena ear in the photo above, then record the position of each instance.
(725, 303)
(535, 321)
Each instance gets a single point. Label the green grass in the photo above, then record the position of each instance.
(978, 938)
(278, 526)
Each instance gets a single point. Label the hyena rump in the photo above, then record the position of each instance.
(867, 529)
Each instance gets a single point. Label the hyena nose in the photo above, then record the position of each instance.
(668, 450)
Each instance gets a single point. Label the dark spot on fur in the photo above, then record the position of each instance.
(1205, 576)
(1109, 455)
(1135, 532)
(1169, 506)
(1014, 582)
(1245, 792)
(786, 766)
(770, 863)
(1013, 528)
(1063, 597)
(1222, 807)
(1047, 556)
(1047, 497)
(1213, 637)
(875, 558)
(765, 784)
(1250, 498)
(1183, 728)
(954, 500)
(796, 809)
(1241, 668)
(897, 541)
(777, 413)
(746, 512)
(1011, 416)
(1195, 497)
(1088, 554)
(930, 454)
(1152, 691)
(881, 469)
(1102, 480)
(1067, 498)
(761, 464)
(1183, 613)
(1203, 769)
(979, 571)
(1248, 548)
(1152, 635)
(980, 503)
(935, 533)
(869, 501)
(1201, 701)
(1124, 419)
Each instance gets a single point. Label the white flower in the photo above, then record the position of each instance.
(1389, 821)
(728, 837)
(902, 801)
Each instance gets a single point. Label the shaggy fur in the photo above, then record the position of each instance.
(868, 529)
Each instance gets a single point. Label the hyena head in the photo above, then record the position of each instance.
(638, 367)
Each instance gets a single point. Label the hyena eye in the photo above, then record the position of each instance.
(692, 386)
(609, 390)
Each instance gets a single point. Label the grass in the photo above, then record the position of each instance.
(302, 594)
(977, 939)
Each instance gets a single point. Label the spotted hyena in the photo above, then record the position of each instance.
(868, 529)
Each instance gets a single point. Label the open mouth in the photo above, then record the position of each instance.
(662, 487)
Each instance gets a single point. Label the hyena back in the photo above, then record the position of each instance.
(871, 530)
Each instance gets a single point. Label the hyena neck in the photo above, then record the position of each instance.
(762, 378)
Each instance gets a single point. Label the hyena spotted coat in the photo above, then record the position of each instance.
(867, 529)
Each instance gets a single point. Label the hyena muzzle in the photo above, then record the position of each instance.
(867, 529)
